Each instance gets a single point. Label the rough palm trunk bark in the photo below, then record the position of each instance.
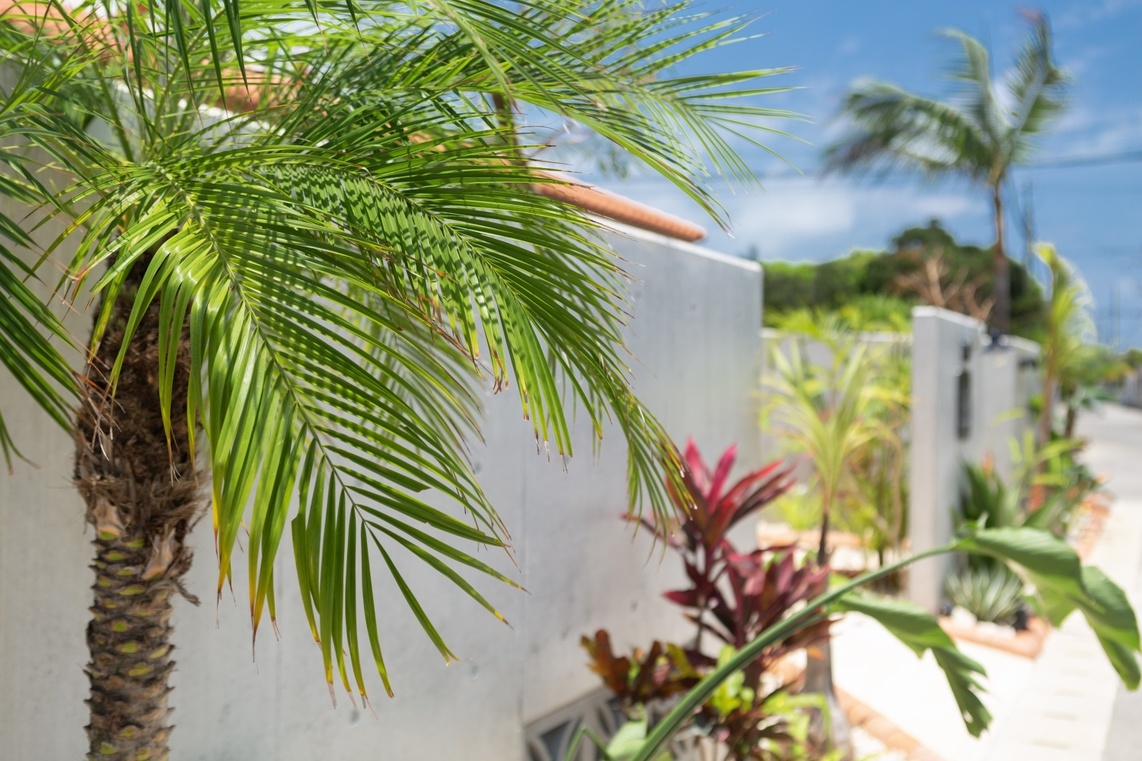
(142, 497)
(1001, 315)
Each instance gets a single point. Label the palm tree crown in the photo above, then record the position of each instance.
(979, 134)
(320, 276)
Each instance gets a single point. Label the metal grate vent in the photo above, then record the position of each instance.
(550, 738)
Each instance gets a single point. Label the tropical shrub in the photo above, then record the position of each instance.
(1059, 582)
(731, 596)
(848, 418)
(1048, 485)
(874, 290)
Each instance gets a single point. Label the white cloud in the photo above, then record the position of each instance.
(1085, 12)
(1089, 132)
(793, 216)
(808, 218)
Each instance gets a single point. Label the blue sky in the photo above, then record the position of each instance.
(1093, 214)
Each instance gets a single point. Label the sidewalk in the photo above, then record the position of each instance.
(1056, 708)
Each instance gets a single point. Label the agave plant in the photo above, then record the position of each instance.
(990, 593)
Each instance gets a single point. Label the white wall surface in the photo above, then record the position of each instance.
(1001, 385)
(695, 339)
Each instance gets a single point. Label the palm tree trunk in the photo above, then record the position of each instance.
(1047, 414)
(1001, 314)
(836, 734)
(819, 672)
(1072, 420)
(142, 497)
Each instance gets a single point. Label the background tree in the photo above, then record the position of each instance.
(884, 285)
(979, 134)
(295, 292)
(826, 413)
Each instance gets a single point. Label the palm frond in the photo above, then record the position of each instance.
(356, 250)
(1038, 90)
(894, 128)
(972, 69)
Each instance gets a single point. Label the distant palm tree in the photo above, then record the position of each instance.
(979, 134)
(309, 286)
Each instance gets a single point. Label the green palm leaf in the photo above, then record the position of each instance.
(357, 250)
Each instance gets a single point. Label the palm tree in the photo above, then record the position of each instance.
(1068, 348)
(300, 293)
(827, 414)
(979, 135)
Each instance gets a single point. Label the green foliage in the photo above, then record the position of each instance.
(863, 290)
(917, 629)
(823, 412)
(1061, 583)
(25, 352)
(1048, 485)
(356, 251)
(848, 418)
(1071, 361)
(824, 286)
(991, 594)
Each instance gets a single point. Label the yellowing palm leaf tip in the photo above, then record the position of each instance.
(308, 276)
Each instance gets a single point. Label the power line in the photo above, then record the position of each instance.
(1121, 157)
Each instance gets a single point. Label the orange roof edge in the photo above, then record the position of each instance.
(621, 209)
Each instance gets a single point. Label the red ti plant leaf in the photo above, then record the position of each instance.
(697, 466)
(687, 598)
(725, 464)
(732, 596)
(661, 672)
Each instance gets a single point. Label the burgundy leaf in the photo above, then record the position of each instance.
(698, 469)
(721, 472)
(687, 598)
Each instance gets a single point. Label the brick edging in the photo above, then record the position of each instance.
(883, 729)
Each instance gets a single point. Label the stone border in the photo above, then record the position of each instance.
(883, 729)
(778, 535)
(1096, 507)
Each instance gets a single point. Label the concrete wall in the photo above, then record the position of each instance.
(697, 350)
(1130, 391)
(1002, 381)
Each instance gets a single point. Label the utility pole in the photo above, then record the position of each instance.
(1115, 318)
(1028, 226)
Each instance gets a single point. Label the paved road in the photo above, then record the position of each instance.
(1116, 449)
